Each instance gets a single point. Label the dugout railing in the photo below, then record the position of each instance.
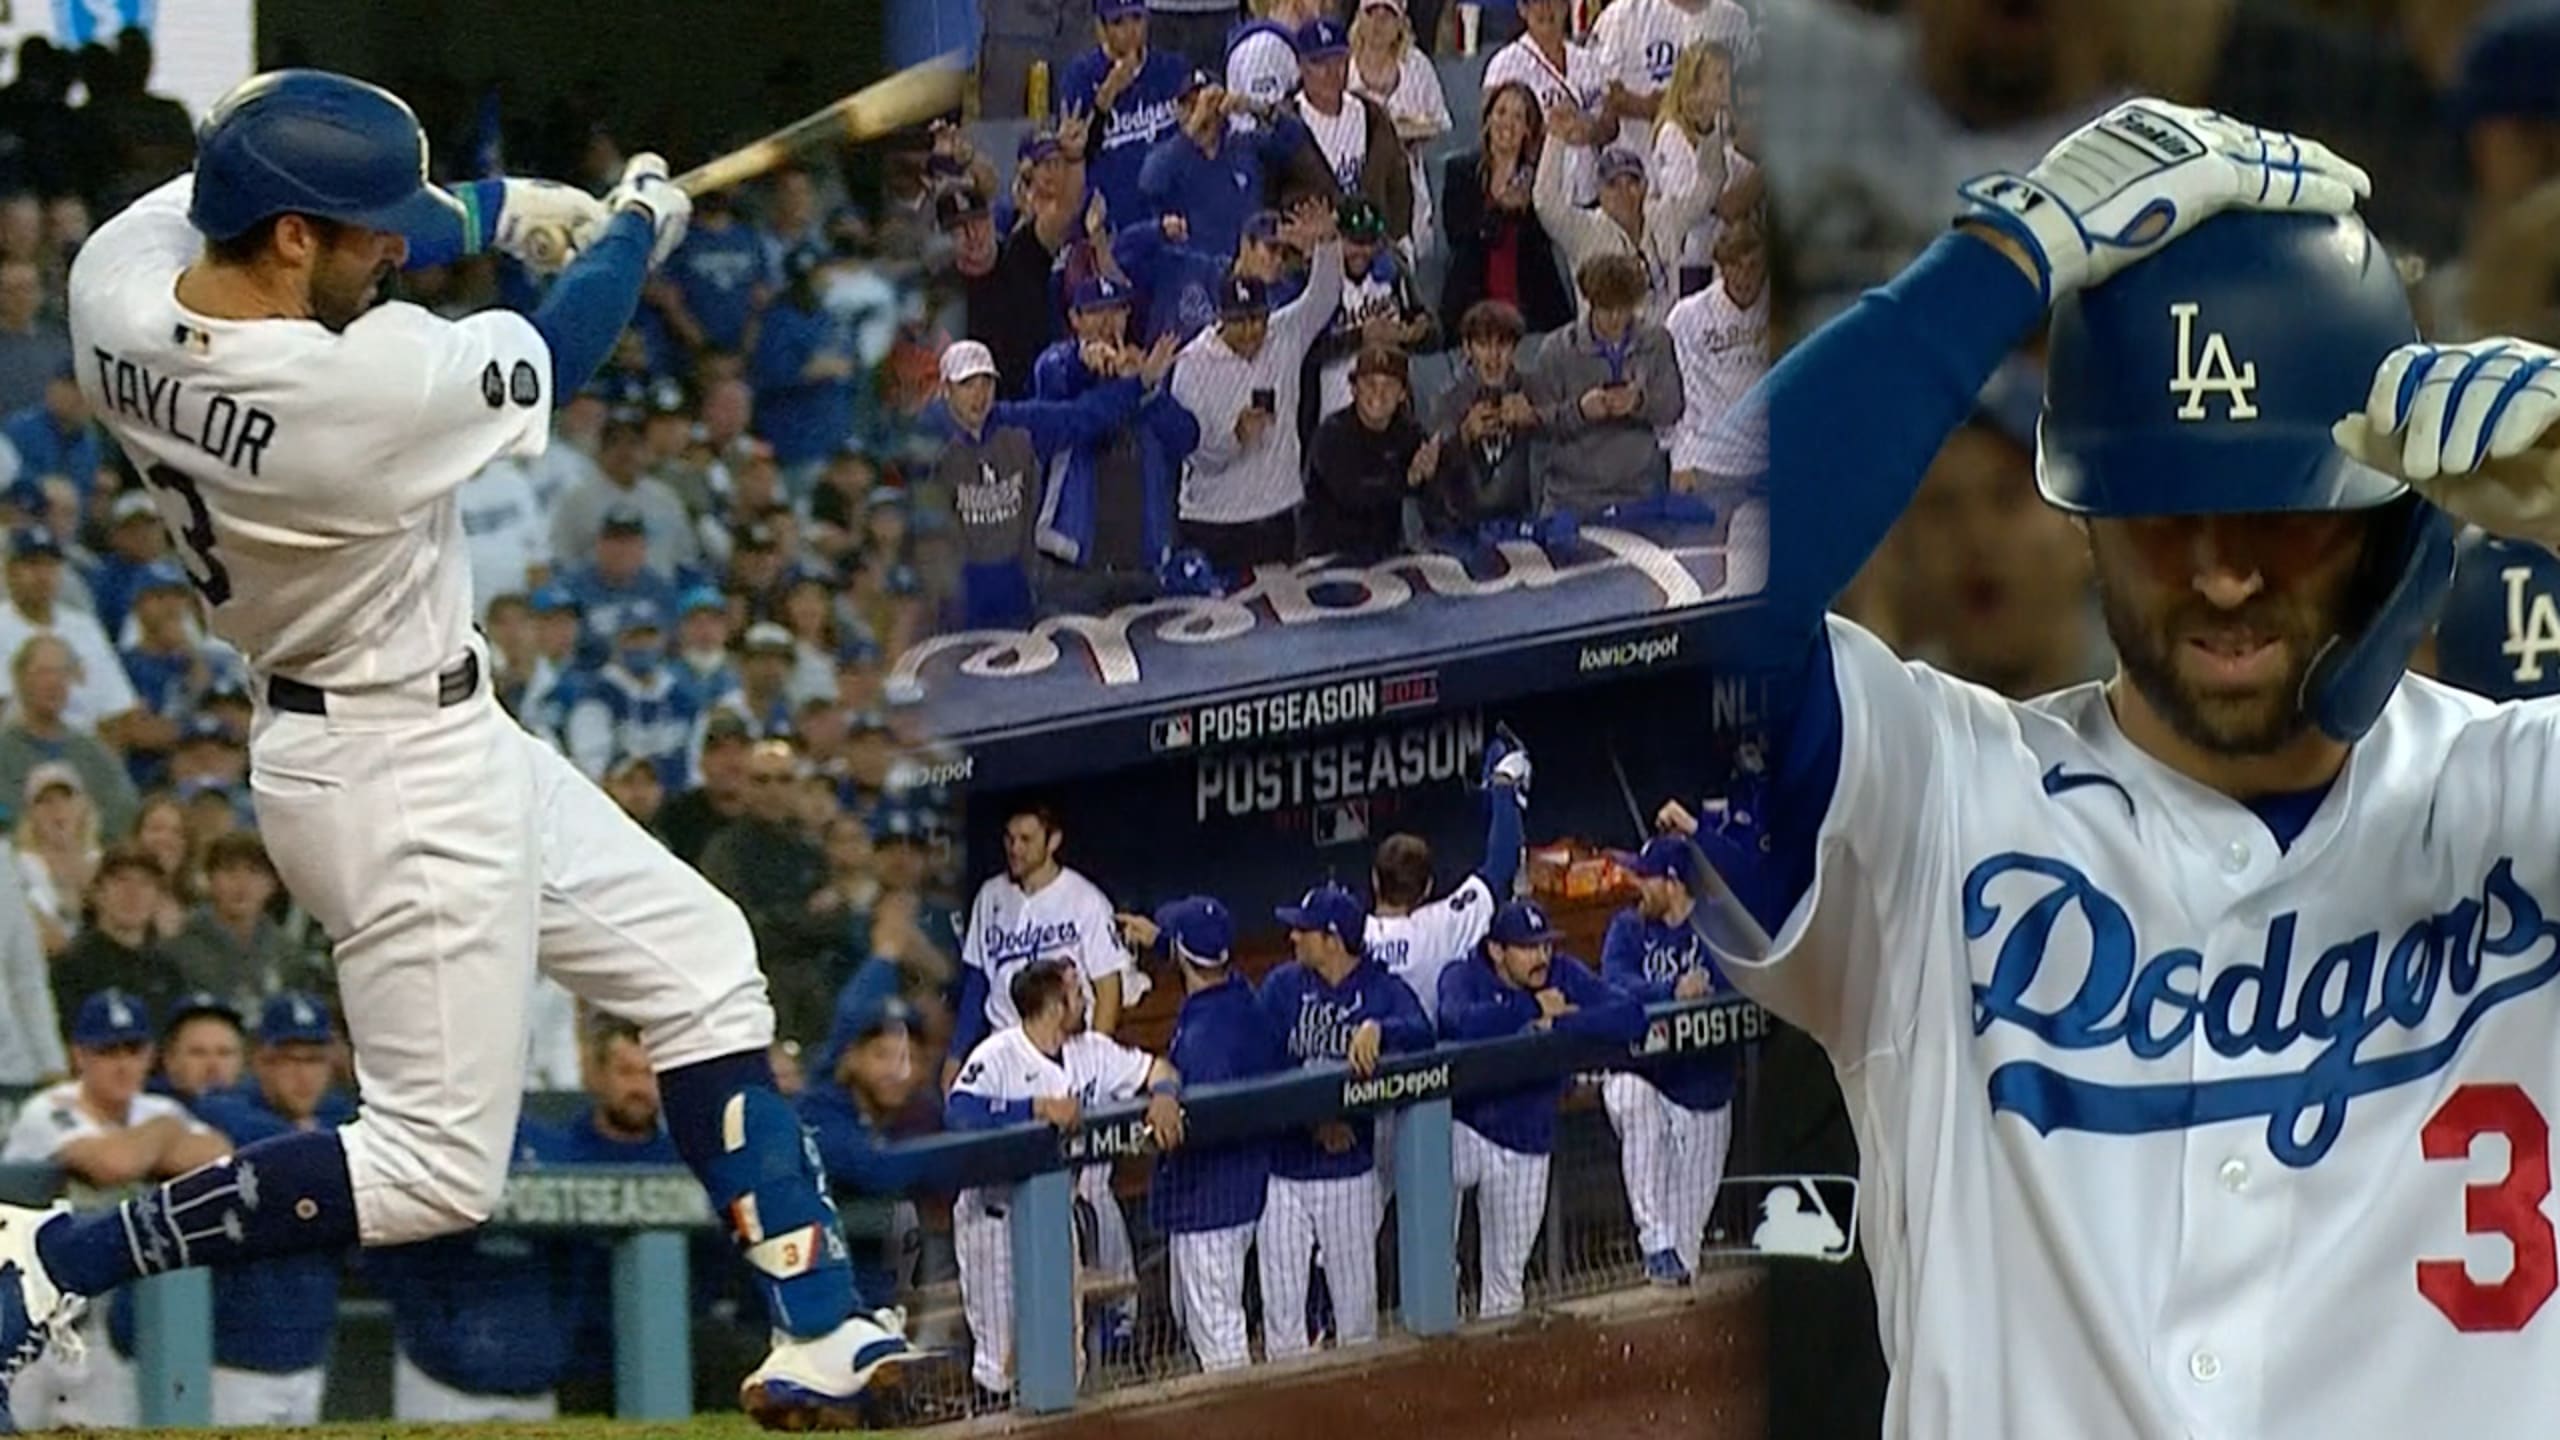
(652, 1213)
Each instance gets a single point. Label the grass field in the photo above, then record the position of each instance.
(700, 1427)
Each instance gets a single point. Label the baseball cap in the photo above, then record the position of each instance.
(1359, 219)
(162, 575)
(1395, 5)
(2507, 65)
(53, 773)
(201, 726)
(725, 726)
(967, 359)
(957, 207)
(896, 825)
(34, 542)
(1115, 9)
(1664, 857)
(641, 615)
(625, 520)
(1242, 296)
(766, 638)
(24, 494)
(1039, 144)
(1101, 292)
(1615, 162)
(1195, 82)
(755, 535)
(803, 262)
(699, 599)
(1198, 929)
(110, 1017)
(135, 505)
(1330, 909)
(1522, 922)
(202, 1002)
(1318, 39)
(293, 1018)
(553, 600)
(1263, 225)
(865, 722)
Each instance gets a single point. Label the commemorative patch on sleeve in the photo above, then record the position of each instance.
(524, 384)
(493, 386)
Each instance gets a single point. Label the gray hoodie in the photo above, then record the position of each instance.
(1591, 464)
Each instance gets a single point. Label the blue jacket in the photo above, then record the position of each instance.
(1645, 959)
(1215, 193)
(803, 420)
(487, 1312)
(1180, 282)
(277, 1316)
(1315, 1021)
(44, 449)
(1147, 111)
(717, 271)
(1222, 1034)
(601, 603)
(1478, 1004)
(1166, 434)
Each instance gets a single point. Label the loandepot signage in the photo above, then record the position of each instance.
(1287, 595)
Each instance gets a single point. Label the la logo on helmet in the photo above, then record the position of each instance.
(2212, 373)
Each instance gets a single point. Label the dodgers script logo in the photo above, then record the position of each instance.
(2341, 1012)
(1324, 1027)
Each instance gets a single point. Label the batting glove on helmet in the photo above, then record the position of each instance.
(646, 188)
(2474, 428)
(2144, 173)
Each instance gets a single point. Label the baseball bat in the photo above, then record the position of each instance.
(912, 96)
(1702, 871)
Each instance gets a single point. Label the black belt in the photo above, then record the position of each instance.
(458, 683)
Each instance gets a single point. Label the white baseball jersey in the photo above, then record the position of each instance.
(1342, 138)
(1583, 81)
(55, 1116)
(1416, 947)
(1640, 40)
(1673, 170)
(1069, 919)
(1095, 1069)
(2156, 1104)
(1723, 350)
(325, 540)
(509, 532)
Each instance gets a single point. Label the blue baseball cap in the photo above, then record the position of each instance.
(1664, 857)
(641, 615)
(1329, 909)
(110, 1017)
(1117, 9)
(1038, 144)
(896, 825)
(1198, 929)
(162, 575)
(552, 600)
(701, 598)
(1263, 225)
(1319, 39)
(34, 542)
(625, 520)
(2507, 65)
(202, 1002)
(1522, 922)
(1242, 296)
(1195, 82)
(1101, 292)
(293, 1018)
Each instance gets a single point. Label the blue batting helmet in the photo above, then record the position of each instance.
(2500, 632)
(2204, 381)
(307, 142)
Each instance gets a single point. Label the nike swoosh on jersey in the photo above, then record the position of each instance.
(2057, 781)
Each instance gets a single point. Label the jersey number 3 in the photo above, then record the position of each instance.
(211, 580)
(2509, 1207)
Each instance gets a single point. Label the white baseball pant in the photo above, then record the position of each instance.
(1673, 1160)
(1113, 1257)
(1511, 1203)
(1208, 1293)
(1335, 1221)
(983, 1240)
(449, 855)
(253, 1397)
(421, 1398)
(95, 1390)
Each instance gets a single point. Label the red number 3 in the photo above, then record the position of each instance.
(2510, 1206)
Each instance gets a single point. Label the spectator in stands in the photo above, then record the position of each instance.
(137, 545)
(160, 831)
(103, 1130)
(789, 219)
(617, 581)
(1516, 984)
(100, 700)
(1624, 224)
(1604, 387)
(54, 436)
(1208, 1200)
(559, 669)
(1497, 249)
(204, 1049)
(1388, 67)
(1011, 308)
(1131, 93)
(862, 1079)
(33, 347)
(55, 844)
(804, 369)
(2506, 279)
(1721, 338)
(232, 947)
(1640, 59)
(273, 1320)
(1262, 55)
(1380, 308)
(853, 885)
(808, 612)
(1332, 1004)
(634, 704)
(1367, 458)
(968, 227)
(837, 502)
(147, 138)
(1354, 136)
(632, 781)
(1569, 81)
(702, 660)
(207, 756)
(1483, 424)
(30, 1027)
(767, 657)
(40, 730)
(507, 532)
(116, 949)
(710, 288)
(1214, 169)
(1696, 144)
(1106, 518)
(621, 489)
(1240, 380)
(765, 861)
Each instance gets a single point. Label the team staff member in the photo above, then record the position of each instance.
(1501, 1143)
(859, 1082)
(103, 1130)
(1674, 1119)
(1050, 1068)
(1333, 1005)
(1415, 937)
(273, 1319)
(1210, 1200)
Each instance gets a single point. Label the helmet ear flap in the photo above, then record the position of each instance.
(2400, 586)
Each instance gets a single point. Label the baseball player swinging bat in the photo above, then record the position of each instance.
(913, 95)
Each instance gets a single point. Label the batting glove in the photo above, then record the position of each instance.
(2474, 428)
(1506, 763)
(546, 224)
(646, 188)
(2145, 173)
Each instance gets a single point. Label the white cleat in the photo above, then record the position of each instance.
(842, 1380)
(35, 1314)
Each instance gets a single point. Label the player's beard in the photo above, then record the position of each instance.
(342, 290)
(2245, 723)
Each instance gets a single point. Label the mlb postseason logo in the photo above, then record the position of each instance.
(1170, 732)
(1266, 717)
